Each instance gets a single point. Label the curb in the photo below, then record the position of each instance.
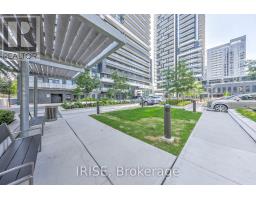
(246, 124)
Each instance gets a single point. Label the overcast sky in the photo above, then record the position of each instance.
(221, 28)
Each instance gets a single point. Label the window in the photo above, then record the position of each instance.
(235, 89)
(240, 89)
(254, 88)
(69, 82)
(247, 88)
(56, 81)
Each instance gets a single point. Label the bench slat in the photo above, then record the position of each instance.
(16, 161)
(4, 132)
(31, 156)
(8, 155)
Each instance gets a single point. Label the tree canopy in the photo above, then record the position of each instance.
(179, 80)
(120, 86)
(8, 86)
(86, 83)
(252, 70)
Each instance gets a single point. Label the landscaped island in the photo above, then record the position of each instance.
(147, 124)
(249, 113)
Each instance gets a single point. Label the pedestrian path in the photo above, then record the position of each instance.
(217, 152)
(79, 140)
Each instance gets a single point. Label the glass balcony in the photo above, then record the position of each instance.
(52, 85)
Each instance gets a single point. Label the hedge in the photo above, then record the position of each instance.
(102, 102)
(6, 116)
(176, 102)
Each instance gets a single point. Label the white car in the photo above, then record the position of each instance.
(236, 101)
(153, 100)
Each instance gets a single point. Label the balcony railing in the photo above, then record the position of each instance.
(53, 85)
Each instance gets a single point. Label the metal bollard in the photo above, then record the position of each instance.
(98, 107)
(167, 121)
(194, 105)
(142, 102)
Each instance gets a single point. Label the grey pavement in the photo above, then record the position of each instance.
(217, 152)
(79, 140)
(247, 124)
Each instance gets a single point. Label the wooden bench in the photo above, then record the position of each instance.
(34, 121)
(17, 162)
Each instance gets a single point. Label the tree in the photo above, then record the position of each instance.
(78, 92)
(14, 87)
(85, 83)
(120, 86)
(179, 80)
(252, 70)
(196, 90)
(5, 86)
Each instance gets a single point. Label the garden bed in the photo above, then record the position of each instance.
(6, 116)
(93, 103)
(175, 102)
(249, 113)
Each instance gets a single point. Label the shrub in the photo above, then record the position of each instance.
(6, 116)
(176, 102)
(78, 105)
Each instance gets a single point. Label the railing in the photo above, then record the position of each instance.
(53, 85)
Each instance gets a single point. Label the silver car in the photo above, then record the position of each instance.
(236, 101)
(152, 100)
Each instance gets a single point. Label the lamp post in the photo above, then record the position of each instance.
(98, 99)
(9, 92)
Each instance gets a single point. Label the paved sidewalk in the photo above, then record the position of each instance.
(218, 152)
(79, 140)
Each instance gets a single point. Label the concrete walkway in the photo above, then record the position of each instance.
(77, 140)
(218, 152)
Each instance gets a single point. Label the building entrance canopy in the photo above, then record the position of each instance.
(68, 44)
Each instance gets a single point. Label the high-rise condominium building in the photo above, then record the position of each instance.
(179, 38)
(227, 61)
(133, 59)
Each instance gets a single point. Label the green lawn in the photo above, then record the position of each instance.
(247, 113)
(146, 124)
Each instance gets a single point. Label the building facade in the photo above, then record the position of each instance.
(227, 61)
(179, 37)
(232, 88)
(51, 89)
(133, 59)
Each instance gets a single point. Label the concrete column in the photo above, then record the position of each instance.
(18, 88)
(35, 96)
(24, 95)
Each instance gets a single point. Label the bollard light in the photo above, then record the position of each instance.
(167, 121)
(98, 107)
(194, 105)
(142, 102)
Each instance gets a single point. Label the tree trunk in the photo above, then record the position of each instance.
(177, 95)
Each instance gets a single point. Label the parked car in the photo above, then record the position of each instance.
(152, 100)
(236, 101)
